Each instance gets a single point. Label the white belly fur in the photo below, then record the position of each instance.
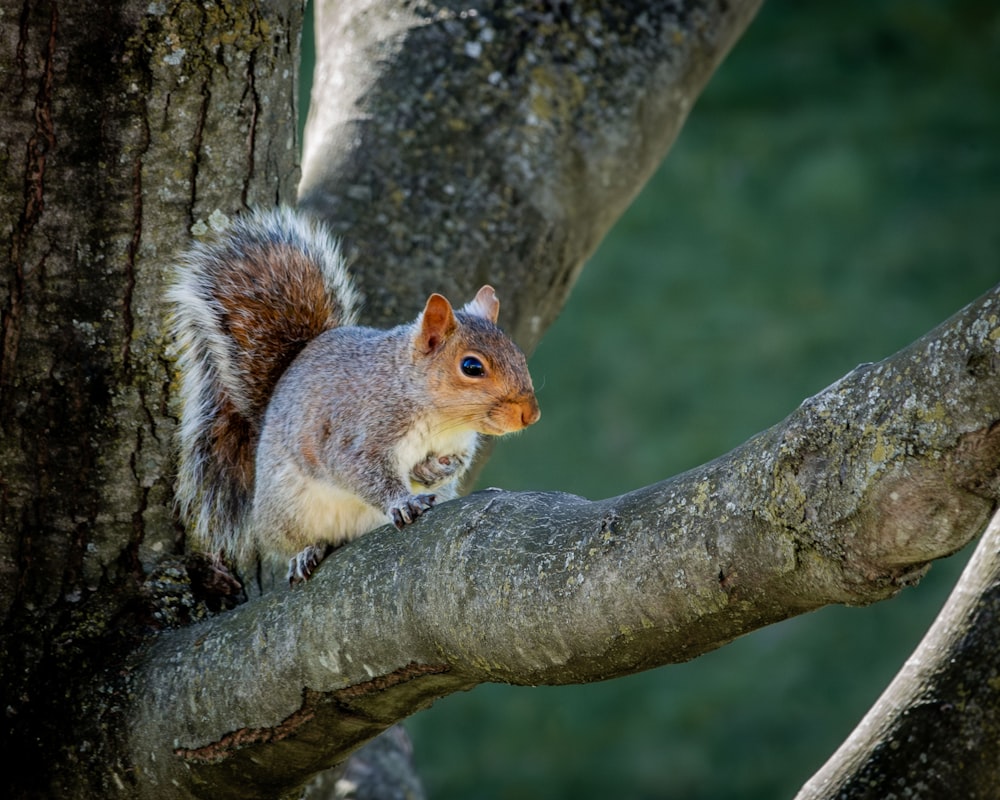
(331, 515)
(320, 512)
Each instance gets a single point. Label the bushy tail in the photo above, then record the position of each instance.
(244, 306)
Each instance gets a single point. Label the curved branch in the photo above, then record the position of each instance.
(845, 501)
(935, 732)
(496, 144)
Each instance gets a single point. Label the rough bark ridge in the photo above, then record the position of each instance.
(124, 123)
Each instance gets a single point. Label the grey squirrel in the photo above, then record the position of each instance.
(300, 429)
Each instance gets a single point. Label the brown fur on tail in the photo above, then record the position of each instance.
(244, 307)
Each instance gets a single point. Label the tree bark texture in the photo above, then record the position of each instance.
(454, 145)
(845, 501)
(125, 124)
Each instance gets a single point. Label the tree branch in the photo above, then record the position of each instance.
(935, 732)
(845, 501)
(497, 144)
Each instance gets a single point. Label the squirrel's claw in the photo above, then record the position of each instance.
(411, 508)
(301, 565)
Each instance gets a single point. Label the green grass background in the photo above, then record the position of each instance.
(834, 195)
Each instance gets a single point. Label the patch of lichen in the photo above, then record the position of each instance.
(192, 35)
(197, 30)
(545, 65)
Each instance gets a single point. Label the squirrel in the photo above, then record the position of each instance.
(299, 429)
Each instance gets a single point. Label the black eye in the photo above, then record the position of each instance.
(473, 367)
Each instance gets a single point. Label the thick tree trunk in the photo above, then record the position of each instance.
(125, 125)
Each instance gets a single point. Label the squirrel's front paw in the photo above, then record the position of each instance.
(436, 469)
(301, 565)
(410, 508)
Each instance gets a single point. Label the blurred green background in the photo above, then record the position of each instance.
(834, 195)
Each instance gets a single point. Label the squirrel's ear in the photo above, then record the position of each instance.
(436, 324)
(485, 304)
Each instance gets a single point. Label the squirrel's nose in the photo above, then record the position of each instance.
(530, 412)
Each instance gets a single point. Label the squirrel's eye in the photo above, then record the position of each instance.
(473, 367)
